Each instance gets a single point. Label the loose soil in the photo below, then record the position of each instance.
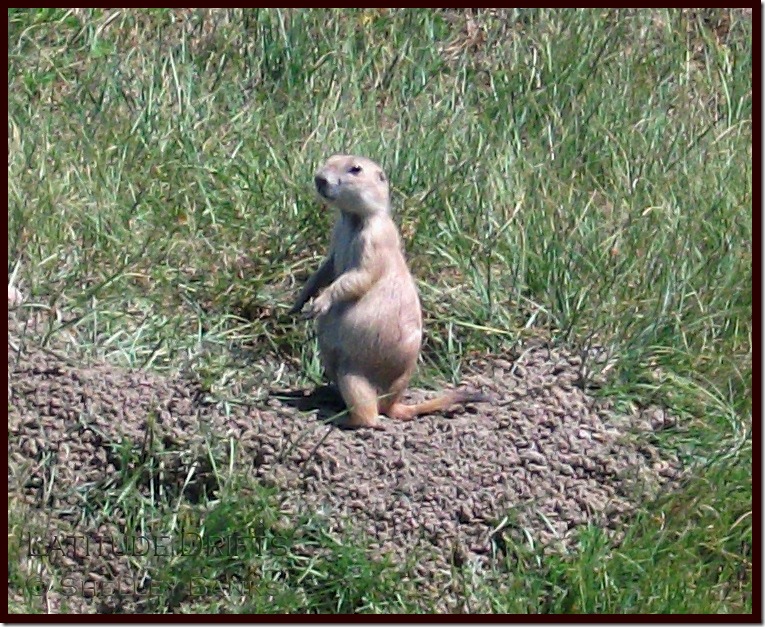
(537, 463)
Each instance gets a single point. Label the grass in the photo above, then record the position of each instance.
(584, 176)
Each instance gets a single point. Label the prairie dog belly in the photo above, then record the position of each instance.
(377, 336)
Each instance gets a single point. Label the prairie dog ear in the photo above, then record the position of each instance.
(381, 176)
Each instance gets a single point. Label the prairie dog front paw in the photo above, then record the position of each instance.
(319, 306)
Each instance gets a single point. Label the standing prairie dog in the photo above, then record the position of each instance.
(369, 321)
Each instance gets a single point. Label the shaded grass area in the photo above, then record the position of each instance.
(581, 176)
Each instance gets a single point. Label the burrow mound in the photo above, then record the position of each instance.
(543, 459)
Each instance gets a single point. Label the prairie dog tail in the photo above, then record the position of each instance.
(399, 411)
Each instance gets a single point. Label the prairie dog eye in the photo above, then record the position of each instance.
(355, 169)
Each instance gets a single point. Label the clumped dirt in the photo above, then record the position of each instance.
(540, 461)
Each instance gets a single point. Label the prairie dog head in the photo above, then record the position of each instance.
(355, 185)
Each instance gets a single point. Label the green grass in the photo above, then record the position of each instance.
(584, 176)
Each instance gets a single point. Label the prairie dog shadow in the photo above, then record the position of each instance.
(324, 398)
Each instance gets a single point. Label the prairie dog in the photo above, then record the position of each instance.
(369, 320)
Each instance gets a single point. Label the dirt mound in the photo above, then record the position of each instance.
(543, 459)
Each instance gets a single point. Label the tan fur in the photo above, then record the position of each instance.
(369, 320)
